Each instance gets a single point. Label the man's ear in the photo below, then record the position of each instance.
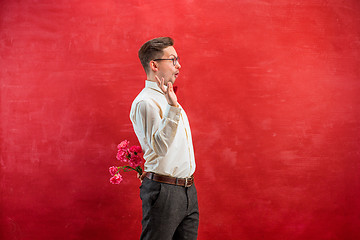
(153, 66)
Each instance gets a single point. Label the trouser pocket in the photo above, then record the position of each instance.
(150, 192)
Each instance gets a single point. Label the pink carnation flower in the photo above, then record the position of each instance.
(128, 155)
(124, 144)
(113, 170)
(135, 161)
(116, 179)
(121, 155)
(136, 149)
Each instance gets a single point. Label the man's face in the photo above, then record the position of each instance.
(167, 70)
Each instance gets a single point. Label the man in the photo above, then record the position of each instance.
(168, 193)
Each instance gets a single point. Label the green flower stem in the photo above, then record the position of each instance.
(127, 168)
(139, 170)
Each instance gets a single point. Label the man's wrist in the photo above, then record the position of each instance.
(173, 113)
(174, 105)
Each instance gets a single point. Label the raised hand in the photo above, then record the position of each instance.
(169, 91)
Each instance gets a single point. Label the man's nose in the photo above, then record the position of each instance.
(178, 66)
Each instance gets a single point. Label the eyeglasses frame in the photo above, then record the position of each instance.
(175, 60)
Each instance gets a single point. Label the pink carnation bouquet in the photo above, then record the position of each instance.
(131, 157)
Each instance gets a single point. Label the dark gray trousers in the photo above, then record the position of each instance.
(169, 212)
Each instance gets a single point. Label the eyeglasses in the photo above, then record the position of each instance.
(175, 60)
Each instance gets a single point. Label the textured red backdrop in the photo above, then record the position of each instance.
(271, 89)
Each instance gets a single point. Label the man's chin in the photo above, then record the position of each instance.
(172, 80)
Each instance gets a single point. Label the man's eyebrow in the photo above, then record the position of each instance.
(173, 55)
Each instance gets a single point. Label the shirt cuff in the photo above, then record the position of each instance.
(173, 113)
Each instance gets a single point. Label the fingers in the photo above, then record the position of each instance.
(143, 176)
(160, 83)
(157, 80)
(170, 87)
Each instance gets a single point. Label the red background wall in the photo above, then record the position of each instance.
(271, 89)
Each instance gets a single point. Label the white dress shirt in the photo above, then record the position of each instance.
(163, 132)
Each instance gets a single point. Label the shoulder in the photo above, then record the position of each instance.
(145, 100)
(143, 97)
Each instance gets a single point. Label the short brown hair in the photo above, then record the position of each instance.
(153, 49)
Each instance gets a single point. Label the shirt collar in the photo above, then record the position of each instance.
(153, 85)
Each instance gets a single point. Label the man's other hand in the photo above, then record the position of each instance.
(141, 178)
